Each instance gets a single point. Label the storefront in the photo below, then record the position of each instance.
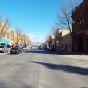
(5, 42)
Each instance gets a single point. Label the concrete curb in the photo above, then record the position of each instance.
(74, 55)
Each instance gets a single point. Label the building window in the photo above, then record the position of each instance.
(70, 45)
(78, 23)
(83, 20)
(8, 35)
(12, 37)
(82, 23)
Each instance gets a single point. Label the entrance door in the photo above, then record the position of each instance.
(66, 47)
(80, 46)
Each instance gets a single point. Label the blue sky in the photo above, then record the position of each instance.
(35, 17)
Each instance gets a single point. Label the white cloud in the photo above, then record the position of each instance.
(37, 37)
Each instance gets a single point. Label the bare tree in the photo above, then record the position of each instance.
(64, 19)
(4, 26)
(26, 39)
(53, 30)
(47, 37)
(18, 32)
(30, 42)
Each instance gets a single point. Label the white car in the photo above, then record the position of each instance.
(3, 49)
(24, 48)
(33, 47)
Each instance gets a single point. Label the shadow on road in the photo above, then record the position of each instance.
(66, 68)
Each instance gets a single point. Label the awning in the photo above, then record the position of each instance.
(3, 40)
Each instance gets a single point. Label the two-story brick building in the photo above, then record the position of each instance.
(80, 27)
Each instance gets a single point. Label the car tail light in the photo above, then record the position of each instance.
(16, 50)
(10, 50)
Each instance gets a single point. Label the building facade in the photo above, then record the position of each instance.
(63, 40)
(67, 41)
(7, 36)
(58, 39)
(80, 28)
(5, 33)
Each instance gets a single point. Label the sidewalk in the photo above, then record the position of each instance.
(72, 54)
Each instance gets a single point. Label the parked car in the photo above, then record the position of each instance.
(33, 47)
(3, 49)
(24, 48)
(15, 50)
(19, 47)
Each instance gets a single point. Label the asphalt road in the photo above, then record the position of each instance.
(42, 69)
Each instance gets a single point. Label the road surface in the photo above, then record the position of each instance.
(42, 69)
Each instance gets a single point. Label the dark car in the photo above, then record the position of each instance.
(15, 50)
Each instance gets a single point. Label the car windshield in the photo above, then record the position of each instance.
(14, 49)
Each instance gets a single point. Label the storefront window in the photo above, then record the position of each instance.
(8, 35)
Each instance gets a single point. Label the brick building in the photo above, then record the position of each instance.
(80, 28)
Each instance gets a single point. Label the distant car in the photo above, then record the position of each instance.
(16, 46)
(19, 47)
(33, 47)
(15, 50)
(24, 48)
(3, 49)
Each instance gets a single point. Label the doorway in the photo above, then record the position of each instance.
(80, 45)
(66, 47)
